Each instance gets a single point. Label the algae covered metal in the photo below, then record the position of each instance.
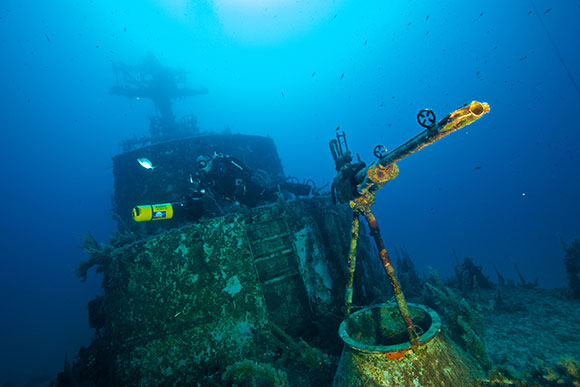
(377, 351)
(183, 301)
(183, 305)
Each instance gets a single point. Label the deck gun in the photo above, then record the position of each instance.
(357, 179)
(356, 184)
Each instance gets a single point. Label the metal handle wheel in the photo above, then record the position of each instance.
(426, 118)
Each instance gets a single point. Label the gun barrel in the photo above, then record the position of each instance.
(461, 117)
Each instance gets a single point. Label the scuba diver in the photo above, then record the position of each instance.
(218, 184)
(229, 179)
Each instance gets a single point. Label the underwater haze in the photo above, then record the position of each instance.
(500, 191)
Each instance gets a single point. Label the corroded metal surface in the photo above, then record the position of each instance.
(378, 352)
(188, 302)
(184, 302)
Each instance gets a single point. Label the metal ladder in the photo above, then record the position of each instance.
(272, 249)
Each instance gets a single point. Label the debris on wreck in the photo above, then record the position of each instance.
(572, 264)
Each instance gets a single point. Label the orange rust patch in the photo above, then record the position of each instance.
(393, 355)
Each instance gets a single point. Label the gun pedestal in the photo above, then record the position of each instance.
(377, 353)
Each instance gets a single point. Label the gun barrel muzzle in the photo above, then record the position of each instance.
(463, 116)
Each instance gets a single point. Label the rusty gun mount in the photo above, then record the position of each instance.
(357, 184)
(356, 179)
(344, 184)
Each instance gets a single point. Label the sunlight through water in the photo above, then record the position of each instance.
(268, 22)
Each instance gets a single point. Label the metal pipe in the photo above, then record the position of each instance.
(372, 177)
(390, 270)
(351, 262)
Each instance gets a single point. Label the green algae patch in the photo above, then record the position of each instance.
(183, 302)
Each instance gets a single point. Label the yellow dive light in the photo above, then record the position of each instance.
(153, 212)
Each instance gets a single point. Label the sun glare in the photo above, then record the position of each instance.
(270, 20)
(175, 8)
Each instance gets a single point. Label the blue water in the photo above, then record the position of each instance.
(499, 191)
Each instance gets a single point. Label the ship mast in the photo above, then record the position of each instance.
(161, 85)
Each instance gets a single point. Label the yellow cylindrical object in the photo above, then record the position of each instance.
(149, 212)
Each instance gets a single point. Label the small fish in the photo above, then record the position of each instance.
(341, 76)
(523, 57)
(283, 94)
(47, 38)
(366, 42)
(548, 10)
(145, 163)
(427, 18)
(125, 29)
(314, 73)
(477, 167)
